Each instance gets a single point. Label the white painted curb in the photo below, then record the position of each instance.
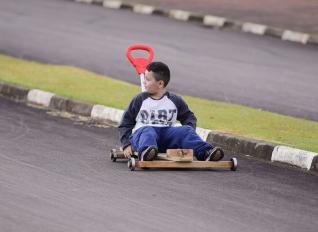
(84, 1)
(143, 9)
(254, 28)
(107, 113)
(112, 4)
(210, 20)
(40, 97)
(300, 158)
(203, 133)
(295, 36)
(179, 15)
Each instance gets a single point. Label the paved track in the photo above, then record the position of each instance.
(55, 176)
(234, 67)
(287, 14)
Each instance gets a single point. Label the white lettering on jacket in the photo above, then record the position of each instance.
(158, 113)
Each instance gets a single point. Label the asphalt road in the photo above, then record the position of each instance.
(287, 14)
(56, 175)
(233, 67)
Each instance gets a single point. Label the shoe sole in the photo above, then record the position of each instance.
(216, 155)
(150, 155)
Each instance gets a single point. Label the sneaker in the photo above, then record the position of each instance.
(214, 154)
(150, 153)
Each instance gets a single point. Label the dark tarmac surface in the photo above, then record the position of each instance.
(56, 175)
(233, 67)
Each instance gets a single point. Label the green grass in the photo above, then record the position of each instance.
(89, 87)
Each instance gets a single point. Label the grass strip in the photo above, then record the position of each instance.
(86, 86)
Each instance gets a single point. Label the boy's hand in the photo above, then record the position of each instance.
(128, 151)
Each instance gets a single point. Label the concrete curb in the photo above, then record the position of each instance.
(72, 106)
(16, 93)
(241, 145)
(235, 144)
(210, 21)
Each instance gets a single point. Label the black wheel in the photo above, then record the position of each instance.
(234, 164)
(113, 155)
(132, 164)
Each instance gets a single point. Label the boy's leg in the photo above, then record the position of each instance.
(186, 137)
(144, 141)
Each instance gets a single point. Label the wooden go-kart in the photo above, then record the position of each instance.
(173, 158)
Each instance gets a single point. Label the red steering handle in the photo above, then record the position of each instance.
(140, 63)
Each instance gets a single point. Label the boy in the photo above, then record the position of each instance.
(148, 125)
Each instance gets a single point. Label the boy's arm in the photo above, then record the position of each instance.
(128, 121)
(185, 115)
(125, 129)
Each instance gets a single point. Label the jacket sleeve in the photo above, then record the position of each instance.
(128, 121)
(185, 115)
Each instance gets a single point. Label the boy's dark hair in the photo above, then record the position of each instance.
(161, 72)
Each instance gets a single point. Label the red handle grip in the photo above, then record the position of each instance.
(140, 63)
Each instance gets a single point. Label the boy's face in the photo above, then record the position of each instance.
(152, 86)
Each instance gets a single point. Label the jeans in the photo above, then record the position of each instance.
(164, 138)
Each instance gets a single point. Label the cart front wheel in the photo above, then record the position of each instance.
(132, 164)
(234, 164)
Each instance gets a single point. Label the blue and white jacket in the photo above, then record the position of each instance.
(146, 111)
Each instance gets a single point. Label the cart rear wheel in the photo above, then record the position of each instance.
(113, 155)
